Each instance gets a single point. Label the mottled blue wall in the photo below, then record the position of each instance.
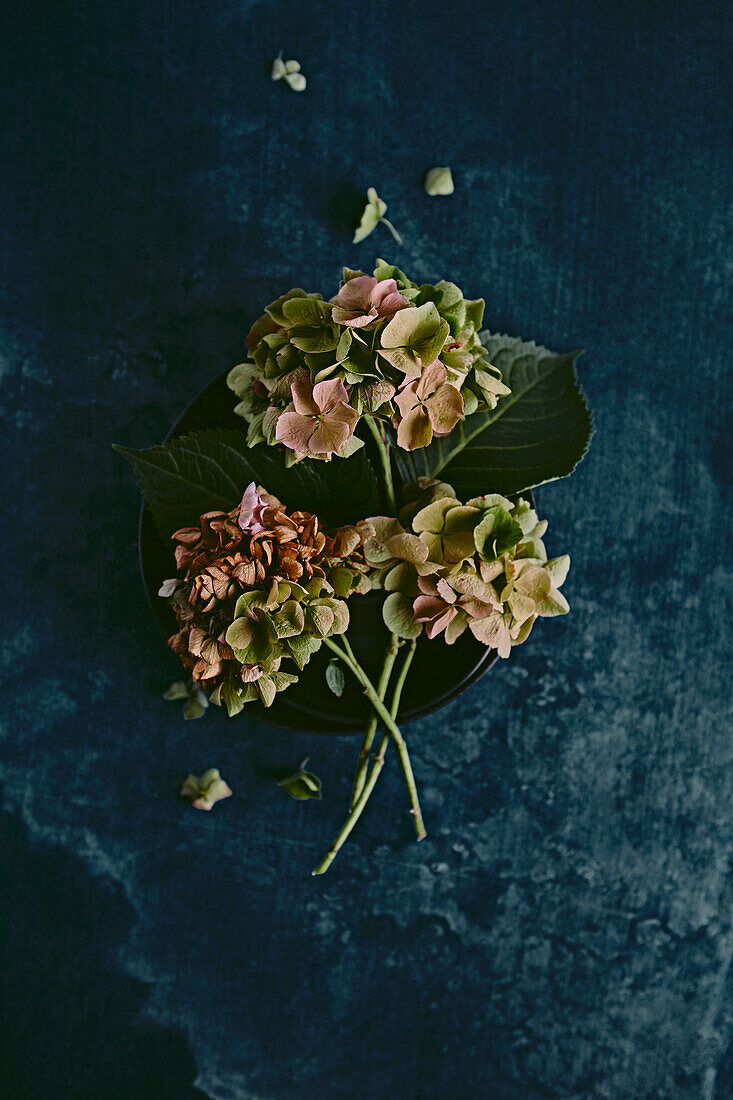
(565, 931)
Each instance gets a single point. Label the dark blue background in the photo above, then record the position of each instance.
(566, 930)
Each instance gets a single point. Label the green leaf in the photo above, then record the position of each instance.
(275, 309)
(267, 690)
(398, 616)
(209, 470)
(538, 433)
(315, 341)
(252, 640)
(335, 678)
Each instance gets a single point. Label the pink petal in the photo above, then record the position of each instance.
(445, 409)
(304, 398)
(326, 394)
(426, 608)
(250, 673)
(392, 304)
(251, 510)
(431, 377)
(387, 298)
(415, 430)
(434, 628)
(343, 413)
(355, 296)
(329, 435)
(476, 609)
(355, 320)
(295, 431)
(406, 399)
(427, 586)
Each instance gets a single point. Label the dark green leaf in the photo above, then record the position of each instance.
(210, 470)
(335, 678)
(537, 433)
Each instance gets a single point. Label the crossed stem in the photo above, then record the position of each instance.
(390, 655)
(378, 763)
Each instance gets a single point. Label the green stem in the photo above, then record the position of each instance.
(383, 449)
(401, 679)
(371, 694)
(392, 229)
(377, 765)
(363, 763)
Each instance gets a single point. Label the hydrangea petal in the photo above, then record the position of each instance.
(445, 409)
(304, 398)
(329, 435)
(415, 430)
(295, 431)
(329, 393)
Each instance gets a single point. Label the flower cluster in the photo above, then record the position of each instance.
(257, 585)
(384, 347)
(449, 567)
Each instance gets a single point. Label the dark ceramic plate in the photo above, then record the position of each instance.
(439, 672)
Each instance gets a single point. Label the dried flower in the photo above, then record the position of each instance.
(289, 71)
(374, 212)
(197, 701)
(428, 406)
(302, 785)
(251, 511)
(254, 589)
(322, 420)
(439, 181)
(203, 791)
(390, 549)
(450, 603)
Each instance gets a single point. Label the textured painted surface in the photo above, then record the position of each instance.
(566, 930)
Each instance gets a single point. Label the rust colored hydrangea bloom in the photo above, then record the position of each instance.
(277, 574)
